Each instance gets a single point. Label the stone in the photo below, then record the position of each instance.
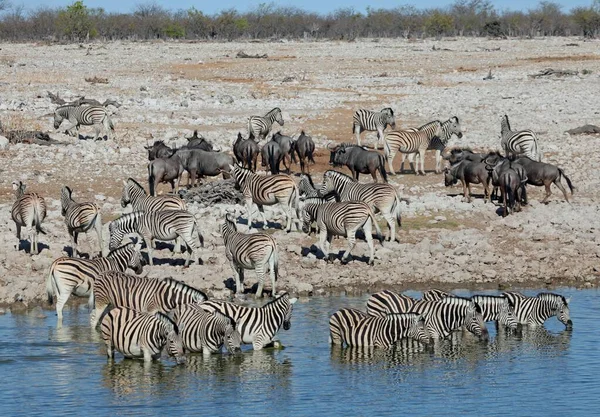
(490, 273)
(4, 142)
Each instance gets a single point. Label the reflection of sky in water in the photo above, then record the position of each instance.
(541, 372)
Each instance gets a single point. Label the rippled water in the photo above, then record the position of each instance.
(547, 372)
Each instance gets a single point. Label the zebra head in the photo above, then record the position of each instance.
(560, 307)
(126, 194)
(173, 339)
(288, 304)
(19, 188)
(58, 118)
(308, 216)
(506, 315)
(277, 115)
(474, 321)
(232, 338)
(416, 328)
(136, 261)
(504, 126)
(452, 126)
(331, 181)
(390, 120)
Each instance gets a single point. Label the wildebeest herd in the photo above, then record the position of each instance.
(148, 314)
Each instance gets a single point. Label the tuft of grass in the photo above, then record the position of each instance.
(16, 127)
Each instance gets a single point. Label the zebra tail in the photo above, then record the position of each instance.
(275, 258)
(377, 228)
(151, 178)
(49, 286)
(396, 210)
(36, 219)
(562, 173)
(382, 170)
(200, 237)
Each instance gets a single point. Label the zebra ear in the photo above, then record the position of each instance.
(124, 182)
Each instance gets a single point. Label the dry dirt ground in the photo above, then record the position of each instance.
(168, 89)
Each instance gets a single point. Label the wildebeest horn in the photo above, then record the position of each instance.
(329, 147)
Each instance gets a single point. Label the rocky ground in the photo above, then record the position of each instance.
(169, 89)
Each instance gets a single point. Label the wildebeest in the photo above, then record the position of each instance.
(468, 172)
(304, 147)
(158, 150)
(359, 160)
(246, 151)
(510, 177)
(459, 154)
(164, 170)
(199, 163)
(198, 142)
(541, 173)
(286, 144)
(271, 156)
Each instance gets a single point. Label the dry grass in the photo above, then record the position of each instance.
(97, 80)
(16, 127)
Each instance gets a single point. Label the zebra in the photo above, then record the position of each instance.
(410, 141)
(80, 218)
(438, 143)
(147, 295)
(497, 308)
(250, 251)
(451, 313)
(265, 190)
(386, 302)
(76, 276)
(436, 294)
(260, 126)
(140, 335)
(341, 219)
(355, 328)
(382, 198)
(96, 116)
(367, 120)
(534, 311)
(523, 142)
(257, 325)
(161, 225)
(28, 210)
(206, 332)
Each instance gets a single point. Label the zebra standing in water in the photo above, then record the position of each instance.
(260, 126)
(438, 143)
(382, 198)
(29, 210)
(162, 225)
(386, 302)
(96, 116)
(257, 325)
(80, 218)
(76, 276)
(140, 335)
(519, 142)
(250, 251)
(367, 120)
(147, 295)
(265, 190)
(497, 308)
(534, 311)
(206, 332)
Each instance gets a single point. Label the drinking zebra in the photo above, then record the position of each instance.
(260, 126)
(519, 142)
(355, 328)
(387, 302)
(438, 143)
(140, 335)
(534, 311)
(206, 332)
(341, 219)
(28, 210)
(257, 325)
(147, 295)
(96, 116)
(367, 120)
(265, 190)
(382, 198)
(76, 276)
(162, 225)
(250, 251)
(80, 218)
(497, 308)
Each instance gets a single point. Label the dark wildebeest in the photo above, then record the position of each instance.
(199, 163)
(541, 173)
(468, 173)
(158, 150)
(246, 151)
(304, 147)
(286, 144)
(164, 170)
(198, 142)
(359, 160)
(510, 177)
(459, 154)
(271, 156)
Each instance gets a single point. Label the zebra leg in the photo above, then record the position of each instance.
(390, 159)
(261, 210)
(357, 134)
(422, 157)
(149, 240)
(288, 215)
(260, 274)
(110, 349)
(97, 130)
(438, 161)
(379, 138)
(351, 243)
(18, 237)
(249, 210)
(33, 240)
(389, 218)
(61, 300)
(367, 229)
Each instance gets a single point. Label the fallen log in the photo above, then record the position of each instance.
(242, 54)
(213, 192)
(585, 129)
(549, 72)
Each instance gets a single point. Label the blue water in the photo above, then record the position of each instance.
(548, 372)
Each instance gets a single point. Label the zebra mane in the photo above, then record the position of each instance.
(228, 219)
(338, 174)
(275, 300)
(550, 296)
(505, 119)
(182, 286)
(455, 118)
(167, 321)
(137, 184)
(388, 110)
(119, 249)
(426, 125)
(457, 300)
(223, 316)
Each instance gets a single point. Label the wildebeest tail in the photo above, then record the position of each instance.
(562, 173)
(272, 164)
(151, 178)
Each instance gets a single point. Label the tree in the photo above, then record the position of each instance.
(588, 20)
(75, 21)
(438, 23)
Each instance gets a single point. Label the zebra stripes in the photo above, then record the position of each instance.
(76, 276)
(355, 328)
(436, 294)
(206, 332)
(341, 219)
(134, 194)
(257, 325)
(265, 190)
(147, 295)
(260, 126)
(28, 210)
(387, 302)
(496, 308)
(96, 116)
(367, 120)
(534, 311)
(161, 225)
(519, 142)
(250, 251)
(140, 335)
(438, 143)
(382, 198)
(80, 218)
